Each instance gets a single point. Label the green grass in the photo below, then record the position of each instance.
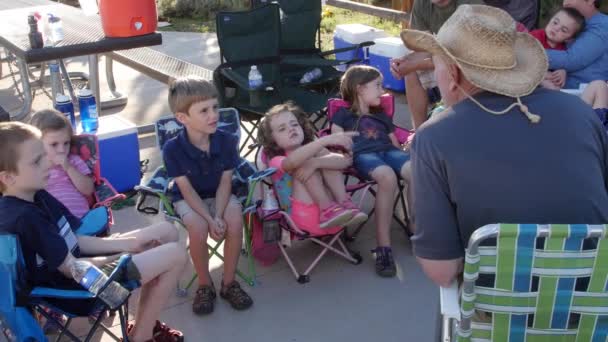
(328, 24)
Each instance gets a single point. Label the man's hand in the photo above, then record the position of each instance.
(401, 67)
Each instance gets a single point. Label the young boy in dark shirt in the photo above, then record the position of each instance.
(45, 229)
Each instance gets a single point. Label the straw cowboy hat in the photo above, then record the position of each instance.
(491, 54)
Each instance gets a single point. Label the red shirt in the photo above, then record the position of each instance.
(541, 35)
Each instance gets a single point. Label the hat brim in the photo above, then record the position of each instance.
(521, 80)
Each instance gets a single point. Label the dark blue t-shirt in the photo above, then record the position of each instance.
(203, 170)
(374, 130)
(45, 229)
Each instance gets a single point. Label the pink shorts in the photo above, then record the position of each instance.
(306, 217)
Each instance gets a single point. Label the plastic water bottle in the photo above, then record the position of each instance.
(92, 279)
(56, 28)
(88, 110)
(271, 229)
(311, 76)
(255, 85)
(64, 104)
(270, 202)
(255, 78)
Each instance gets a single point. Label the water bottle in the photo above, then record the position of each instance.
(92, 279)
(255, 83)
(311, 76)
(56, 28)
(271, 229)
(64, 104)
(88, 110)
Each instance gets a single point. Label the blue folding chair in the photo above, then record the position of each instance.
(19, 302)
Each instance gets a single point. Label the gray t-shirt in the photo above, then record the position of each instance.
(427, 16)
(472, 168)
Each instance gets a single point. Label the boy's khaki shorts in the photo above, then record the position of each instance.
(182, 208)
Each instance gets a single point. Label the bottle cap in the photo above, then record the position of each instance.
(85, 92)
(62, 98)
(253, 67)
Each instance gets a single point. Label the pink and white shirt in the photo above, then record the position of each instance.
(61, 187)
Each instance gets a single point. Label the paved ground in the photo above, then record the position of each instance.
(343, 302)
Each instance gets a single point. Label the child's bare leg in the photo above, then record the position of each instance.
(596, 94)
(387, 183)
(159, 268)
(233, 215)
(198, 231)
(315, 188)
(334, 180)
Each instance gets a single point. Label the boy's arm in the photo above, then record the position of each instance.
(92, 245)
(192, 198)
(222, 195)
(66, 266)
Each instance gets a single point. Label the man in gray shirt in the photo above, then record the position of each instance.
(504, 150)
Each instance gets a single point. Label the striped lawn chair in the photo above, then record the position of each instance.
(547, 287)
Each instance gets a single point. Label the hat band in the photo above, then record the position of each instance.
(486, 66)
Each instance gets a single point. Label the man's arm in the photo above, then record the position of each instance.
(587, 48)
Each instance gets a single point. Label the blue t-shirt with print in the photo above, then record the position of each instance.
(203, 169)
(45, 229)
(374, 130)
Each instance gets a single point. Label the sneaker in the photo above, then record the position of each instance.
(385, 264)
(50, 326)
(358, 216)
(204, 299)
(163, 333)
(236, 296)
(334, 216)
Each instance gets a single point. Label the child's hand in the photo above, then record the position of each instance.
(217, 228)
(342, 139)
(557, 77)
(60, 160)
(304, 172)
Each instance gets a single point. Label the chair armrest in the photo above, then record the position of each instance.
(47, 292)
(448, 299)
(344, 49)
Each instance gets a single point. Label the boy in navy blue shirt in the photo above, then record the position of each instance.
(45, 229)
(201, 160)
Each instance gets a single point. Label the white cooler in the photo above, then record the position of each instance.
(347, 35)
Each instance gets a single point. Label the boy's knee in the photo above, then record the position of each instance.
(197, 227)
(385, 177)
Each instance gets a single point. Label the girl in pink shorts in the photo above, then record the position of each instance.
(308, 175)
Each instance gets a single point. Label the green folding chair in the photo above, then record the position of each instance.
(249, 38)
(550, 284)
(301, 45)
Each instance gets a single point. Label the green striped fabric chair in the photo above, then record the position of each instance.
(547, 287)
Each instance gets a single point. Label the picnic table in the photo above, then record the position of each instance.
(83, 37)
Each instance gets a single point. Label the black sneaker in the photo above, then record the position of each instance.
(204, 299)
(385, 264)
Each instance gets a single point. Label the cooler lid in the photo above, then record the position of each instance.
(389, 47)
(111, 126)
(358, 33)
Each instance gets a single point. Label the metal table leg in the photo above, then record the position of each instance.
(94, 80)
(118, 99)
(27, 92)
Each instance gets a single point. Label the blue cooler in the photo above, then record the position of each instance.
(347, 35)
(119, 152)
(380, 55)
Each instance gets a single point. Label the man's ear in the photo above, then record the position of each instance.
(455, 75)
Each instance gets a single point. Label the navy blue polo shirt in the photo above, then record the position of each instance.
(203, 170)
(45, 229)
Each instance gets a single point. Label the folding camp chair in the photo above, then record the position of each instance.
(329, 240)
(301, 45)
(549, 285)
(158, 185)
(18, 301)
(249, 38)
(402, 134)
